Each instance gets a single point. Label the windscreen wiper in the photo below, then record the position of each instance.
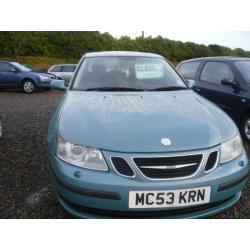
(113, 89)
(170, 88)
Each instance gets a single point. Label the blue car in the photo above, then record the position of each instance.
(130, 139)
(14, 75)
(224, 81)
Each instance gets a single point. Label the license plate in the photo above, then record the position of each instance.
(169, 198)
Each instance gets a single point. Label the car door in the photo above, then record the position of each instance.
(67, 72)
(9, 75)
(57, 71)
(209, 85)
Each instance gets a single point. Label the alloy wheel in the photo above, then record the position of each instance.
(247, 128)
(28, 87)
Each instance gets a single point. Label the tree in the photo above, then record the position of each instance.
(74, 44)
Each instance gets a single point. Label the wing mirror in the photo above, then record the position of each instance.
(66, 83)
(190, 83)
(231, 83)
(58, 84)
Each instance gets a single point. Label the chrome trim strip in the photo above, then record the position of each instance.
(169, 167)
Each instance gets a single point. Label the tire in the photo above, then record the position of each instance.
(29, 86)
(245, 128)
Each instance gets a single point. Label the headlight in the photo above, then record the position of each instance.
(231, 149)
(81, 156)
(44, 78)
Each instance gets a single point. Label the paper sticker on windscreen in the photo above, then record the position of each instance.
(149, 71)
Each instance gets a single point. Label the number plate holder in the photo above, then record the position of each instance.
(169, 198)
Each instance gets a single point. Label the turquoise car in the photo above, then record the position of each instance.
(131, 139)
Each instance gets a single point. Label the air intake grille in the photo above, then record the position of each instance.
(122, 166)
(211, 161)
(169, 167)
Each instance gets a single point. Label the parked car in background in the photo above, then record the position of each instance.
(131, 139)
(63, 71)
(14, 75)
(224, 81)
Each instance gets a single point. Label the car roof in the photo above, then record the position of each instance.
(65, 64)
(7, 61)
(121, 53)
(218, 58)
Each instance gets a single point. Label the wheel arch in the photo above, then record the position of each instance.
(243, 118)
(244, 114)
(29, 79)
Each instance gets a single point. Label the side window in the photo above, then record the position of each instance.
(68, 68)
(188, 70)
(215, 72)
(5, 67)
(56, 69)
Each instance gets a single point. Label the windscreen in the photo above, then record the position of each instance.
(244, 68)
(141, 73)
(21, 67)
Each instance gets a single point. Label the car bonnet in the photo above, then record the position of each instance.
(137, 121)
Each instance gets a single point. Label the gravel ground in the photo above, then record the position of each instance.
(24, 177)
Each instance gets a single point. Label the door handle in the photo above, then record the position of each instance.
(198, 89)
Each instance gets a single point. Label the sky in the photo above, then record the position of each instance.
(232, 39)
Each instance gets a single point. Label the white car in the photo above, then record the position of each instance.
(63, 71)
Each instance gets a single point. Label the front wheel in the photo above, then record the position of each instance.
(29, 87)
(245, 128)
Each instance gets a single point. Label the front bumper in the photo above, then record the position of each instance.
(187, 213)
(93, 194)
(43, 84)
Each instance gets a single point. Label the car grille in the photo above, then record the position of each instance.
(211, 161)
(122, 166)
(169, 167)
